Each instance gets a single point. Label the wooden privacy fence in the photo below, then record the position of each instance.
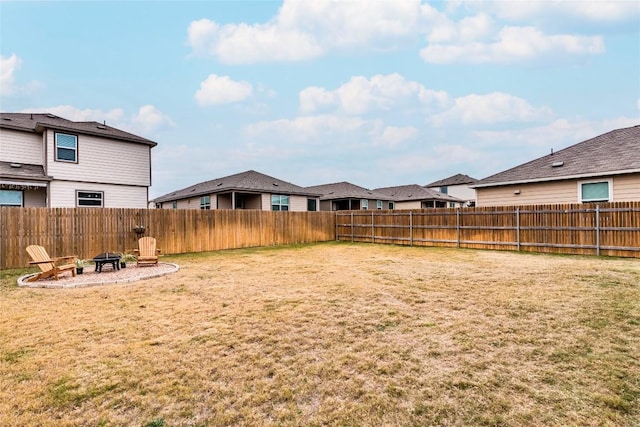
(611, 229)
(86, 232)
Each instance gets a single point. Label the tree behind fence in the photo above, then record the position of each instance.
(86, 232)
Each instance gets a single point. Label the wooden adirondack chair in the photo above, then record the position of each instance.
(49, 266)
(147, 252)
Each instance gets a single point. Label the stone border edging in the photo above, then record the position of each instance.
(22, 280)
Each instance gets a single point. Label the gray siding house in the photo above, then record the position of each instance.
(245, 190)
(602, 169)
(417, 197)
(346, 196)
(48, 161)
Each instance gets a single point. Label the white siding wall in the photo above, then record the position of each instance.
(626, 188)
(462, 192)
(63, 194)
(414, 204)
(103, 160)
(298, 203)
(21, 147)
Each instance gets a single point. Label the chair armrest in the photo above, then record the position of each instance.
(47, 261)
(63, 258)
(159, 250)
(136, 251)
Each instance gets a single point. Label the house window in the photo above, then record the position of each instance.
(444, 189)
(66, 147)
(312, 205)
(379, 204)
(90, 199)
(174, 205)
(391, 205)
(10, 198)
(365, 204)
(279, 202)
(595, 191)
(205, 202)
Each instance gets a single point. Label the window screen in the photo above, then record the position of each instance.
(595, 192)
(66, 147)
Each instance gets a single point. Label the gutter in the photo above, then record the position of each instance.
(559, 178)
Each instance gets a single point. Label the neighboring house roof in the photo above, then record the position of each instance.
(37, 122)
(22, 171)
(458, 179)
(346, 190)
(613, 153)
(245, 181)
(406, 193)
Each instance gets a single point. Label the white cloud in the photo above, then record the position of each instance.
(149, 119)
(8, 84)
(217, 90)
(69, 112)
(307, 29)
(379, 93)
(146, 120)
(557, 134)
(393, 136)
(604, 11)
(321, 129)
(492, 108)
(514, 44)
(8, 67)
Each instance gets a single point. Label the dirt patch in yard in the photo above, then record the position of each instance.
(331, 334)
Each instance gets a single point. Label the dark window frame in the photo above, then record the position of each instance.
(81, 201)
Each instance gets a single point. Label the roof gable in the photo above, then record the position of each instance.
(457, 179)
(614, 152)
(245, 181)
(346, 190)
(36, 122)
(405, 193)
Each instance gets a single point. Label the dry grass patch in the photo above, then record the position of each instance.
(331, 334)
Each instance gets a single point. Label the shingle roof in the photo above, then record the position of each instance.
(14, 170)
(458, 179)
(346, 190)
(245, 181)
(37, 122)
(405, 193)
(612, 153)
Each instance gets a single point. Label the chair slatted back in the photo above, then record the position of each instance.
(147, 246)
(39, 254)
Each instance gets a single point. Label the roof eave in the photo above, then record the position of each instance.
(558, 178)
(41, 126)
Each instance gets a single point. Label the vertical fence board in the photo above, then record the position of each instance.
(86, 232)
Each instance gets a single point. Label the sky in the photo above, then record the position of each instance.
(377, 93)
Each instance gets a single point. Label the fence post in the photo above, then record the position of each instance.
(373, 231)
(458, 226)
(352, 226)
(597, 230)
(411, 228)
(518, 227)
(337, 233)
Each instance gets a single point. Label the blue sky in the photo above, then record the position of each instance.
(377, 93)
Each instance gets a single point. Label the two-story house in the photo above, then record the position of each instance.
(459, 186)
(48, 161)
